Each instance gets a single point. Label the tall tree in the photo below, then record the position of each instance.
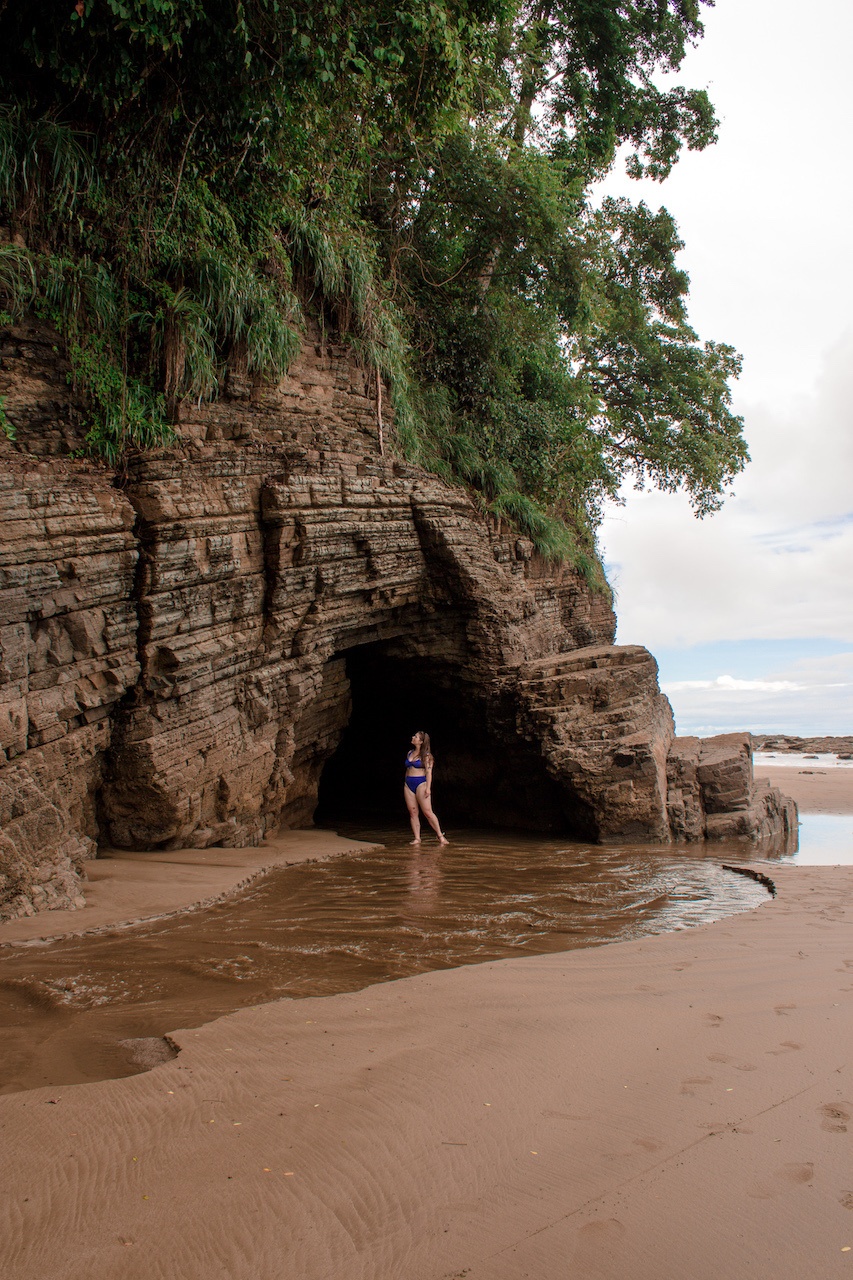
(187, 178)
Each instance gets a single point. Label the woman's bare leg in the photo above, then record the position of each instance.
(414, 815)
(426, 806)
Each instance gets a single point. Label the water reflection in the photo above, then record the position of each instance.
(337, 926)
(825, 840)
(425, 878)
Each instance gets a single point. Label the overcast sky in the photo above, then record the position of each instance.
(750, 612)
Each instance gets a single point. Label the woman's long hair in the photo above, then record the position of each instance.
(425, 753)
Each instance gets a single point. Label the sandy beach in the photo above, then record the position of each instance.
(815, 789)
(674, 1108)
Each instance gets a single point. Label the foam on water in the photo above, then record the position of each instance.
(799, 760)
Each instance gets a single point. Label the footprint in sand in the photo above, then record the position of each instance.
(713, 1019)
(648, 1144)
(797, 1172)
(594, 1241)
(846, 1199)
(782, 1009)
(725, 1057)
(691, 1080)
(786, 1046)
(835, 1117)
(782, 1180)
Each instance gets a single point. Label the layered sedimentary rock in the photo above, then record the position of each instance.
(67, 656)
(195, 650)
(712, 793)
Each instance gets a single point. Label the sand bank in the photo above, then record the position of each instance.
(676, 1108)
(815, 790)
(127, 888)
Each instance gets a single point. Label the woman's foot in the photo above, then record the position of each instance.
(442, 839)
(415, 841)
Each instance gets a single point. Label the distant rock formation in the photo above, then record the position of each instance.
(785, 742)
(207, 646)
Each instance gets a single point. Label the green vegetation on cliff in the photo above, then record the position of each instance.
(182, 181)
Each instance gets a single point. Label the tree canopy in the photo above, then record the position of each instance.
(182, 180)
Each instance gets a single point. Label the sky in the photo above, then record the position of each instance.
(750, 612)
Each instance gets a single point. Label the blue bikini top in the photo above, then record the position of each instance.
(413, 764)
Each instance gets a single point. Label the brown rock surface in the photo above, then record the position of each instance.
(713, 794)
(67, 655)
(193, 651)
(603, 727)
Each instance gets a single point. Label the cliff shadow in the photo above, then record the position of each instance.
(484, 774)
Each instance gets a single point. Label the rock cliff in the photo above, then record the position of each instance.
(234, 631)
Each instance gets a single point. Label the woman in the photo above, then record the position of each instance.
(417, 787)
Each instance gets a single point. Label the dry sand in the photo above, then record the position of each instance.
(675, 1108)
(815, 790)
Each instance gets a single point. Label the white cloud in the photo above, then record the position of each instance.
(729, 683)
(777, 561)
(771, 265)
(812, 696)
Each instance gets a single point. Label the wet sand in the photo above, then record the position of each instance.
(96, 1007)
(677, 1106)
(815, 789)
(127, 888)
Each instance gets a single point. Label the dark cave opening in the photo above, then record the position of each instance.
(482, 778)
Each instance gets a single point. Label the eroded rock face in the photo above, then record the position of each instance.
(67, 656)
(195, 649)
(602, 721)
(712, 793)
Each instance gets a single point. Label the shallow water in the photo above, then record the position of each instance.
(826, 840)
(800, 760)
(335, 926)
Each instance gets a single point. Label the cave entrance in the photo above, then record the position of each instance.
(482, 777)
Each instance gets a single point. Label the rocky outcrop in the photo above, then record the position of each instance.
(712, 793)
(602, 723)
(784, 742)
(197, 650)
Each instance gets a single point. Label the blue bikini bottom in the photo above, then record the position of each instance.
(414, 783)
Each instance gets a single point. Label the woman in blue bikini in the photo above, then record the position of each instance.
(417, 787)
